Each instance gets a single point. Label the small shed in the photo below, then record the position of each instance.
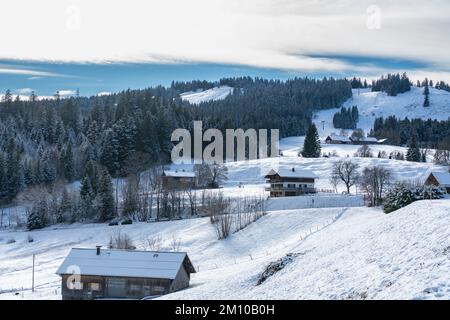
(122, 274)
(178, 179)
(439, 179)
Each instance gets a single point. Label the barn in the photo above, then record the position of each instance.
(439, 179)
(122, 274)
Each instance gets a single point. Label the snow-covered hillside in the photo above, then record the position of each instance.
(354, 253)
(379, 104)
(213, 94)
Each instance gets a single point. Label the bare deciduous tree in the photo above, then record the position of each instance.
(347, 172)
(374, 181)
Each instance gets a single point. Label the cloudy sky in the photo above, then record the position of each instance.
(347, 37)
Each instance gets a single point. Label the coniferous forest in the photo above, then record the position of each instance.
(43, 142)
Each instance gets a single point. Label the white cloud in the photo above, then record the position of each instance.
(28, 72)
(63, 93)
(24, 91)
(261, 33)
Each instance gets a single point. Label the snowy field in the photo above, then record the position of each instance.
(353, 253)
(378, 104)
(345, 251)
(213, 94)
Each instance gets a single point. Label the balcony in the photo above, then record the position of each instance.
(291, 189)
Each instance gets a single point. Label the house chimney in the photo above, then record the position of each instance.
(98, 250)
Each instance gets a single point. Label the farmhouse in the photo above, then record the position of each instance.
(439, 179)
(334, 139)
(366, 140)
(97, 273)
(290, 182)
(178, 179)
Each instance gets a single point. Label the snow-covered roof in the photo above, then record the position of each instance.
(180, 174)
(370, 139)
(124, 263)
(443, 178)
(288, 173)
(338, 138)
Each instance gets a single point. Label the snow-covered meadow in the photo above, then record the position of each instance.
(345, 250)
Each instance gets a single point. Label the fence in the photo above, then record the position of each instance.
(325, 200)
(251, 256)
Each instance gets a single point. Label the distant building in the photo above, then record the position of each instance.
(367, 140)
(439, 179)
(178, 179)
(125, 274)
(335, 139)
(290, 182)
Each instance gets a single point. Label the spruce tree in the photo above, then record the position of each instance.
(37, 218)
(413, 153)
(311, 146)
(68, 162)
(14, 172)
(105, 198)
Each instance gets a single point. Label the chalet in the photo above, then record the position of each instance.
(439, 179)
(366, 140)
(178, 179)
(290, 182)
(334, 139)
(122, 274)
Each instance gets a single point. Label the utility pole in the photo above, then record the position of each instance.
(32, 278)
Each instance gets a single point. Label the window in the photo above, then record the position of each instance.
(159, 289)
(94, 286)
(135, 289)
(147, 290)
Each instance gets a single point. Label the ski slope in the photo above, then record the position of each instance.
(378, 104)
(213, 94)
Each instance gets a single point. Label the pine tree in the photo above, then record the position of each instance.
(311, 146)
(68, 162)
(37, 218)
(86, 192)
(426, 101)
(109, 156)
(14, 171)
(413, 153)
(426, 92)
(105, 198)
(65, 207)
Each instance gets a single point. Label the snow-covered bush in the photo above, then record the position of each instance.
(399, 196)
(402, 194)
(276, 266)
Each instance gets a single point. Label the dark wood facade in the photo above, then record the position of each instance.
(289, 186)
(106, 287)
(178, 183)
(431, 180)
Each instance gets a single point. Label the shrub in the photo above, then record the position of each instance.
(397, 197)
(121, 241)
(401, 195)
